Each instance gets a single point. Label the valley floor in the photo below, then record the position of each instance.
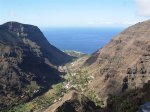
(74, 79)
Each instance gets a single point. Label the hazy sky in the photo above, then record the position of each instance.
(49, 13)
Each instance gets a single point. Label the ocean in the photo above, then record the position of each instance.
(86, 40)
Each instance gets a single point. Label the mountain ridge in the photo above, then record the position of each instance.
(123, 63)
(34, 34)
(28, 63)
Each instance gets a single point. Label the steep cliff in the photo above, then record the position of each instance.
(27, 63)
(123, 64)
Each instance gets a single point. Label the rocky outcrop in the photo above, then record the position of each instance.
(123, 64)
(74, 102)
(27, 63)
(136, 100)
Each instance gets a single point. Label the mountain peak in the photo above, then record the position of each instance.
(27, 59)
(16, 24)
(17, 28)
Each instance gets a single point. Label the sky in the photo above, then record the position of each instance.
(75, 13)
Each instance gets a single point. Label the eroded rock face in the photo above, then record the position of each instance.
(74, 102)
(122, 64)
(136, 100)
(34, 34)
(27, 63)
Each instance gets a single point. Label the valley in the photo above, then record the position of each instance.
(74, 55)
(37, 78)
(75, 79)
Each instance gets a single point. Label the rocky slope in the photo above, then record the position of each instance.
(123, 64)
(118, 72)
(73, 102)
(27, 63)
(131, 101)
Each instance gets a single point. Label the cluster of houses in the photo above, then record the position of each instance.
(69, 85)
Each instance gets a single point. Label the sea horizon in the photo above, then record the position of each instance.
(78, 38)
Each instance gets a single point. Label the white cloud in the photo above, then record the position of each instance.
(12, 14)
(143, 7)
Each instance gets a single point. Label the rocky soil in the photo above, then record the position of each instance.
(73, 102)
